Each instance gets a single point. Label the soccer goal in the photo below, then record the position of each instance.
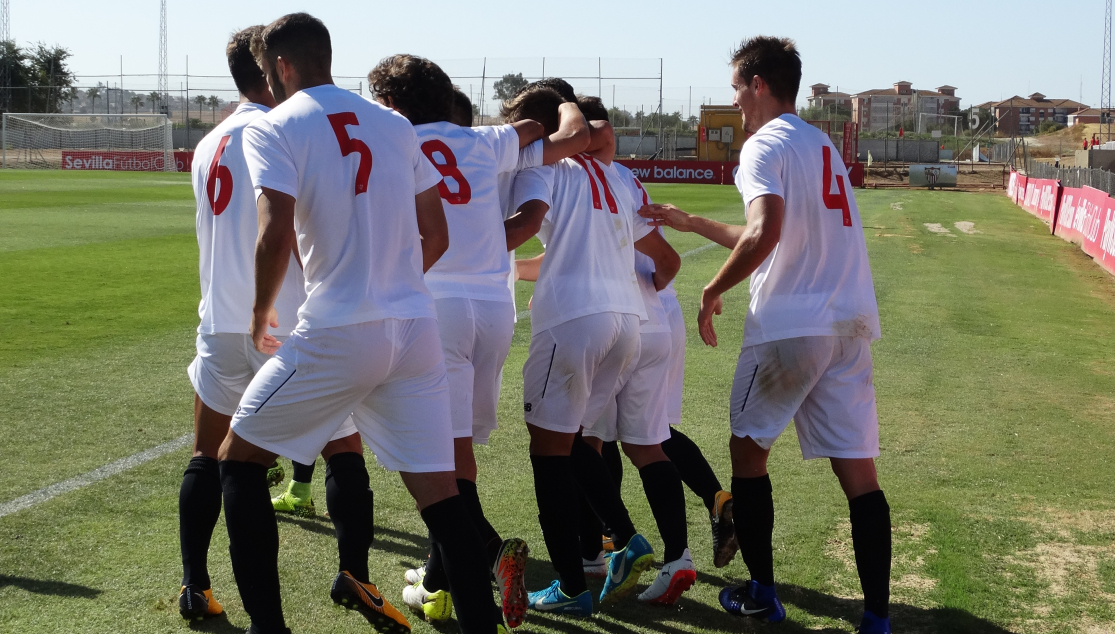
(139, 142)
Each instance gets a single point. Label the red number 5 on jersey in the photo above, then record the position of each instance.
(350, 145)
(448, 169)
(834, 201)
(217, 172)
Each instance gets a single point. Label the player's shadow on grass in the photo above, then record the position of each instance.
(46, 586)
(216, 624)
(386, 539)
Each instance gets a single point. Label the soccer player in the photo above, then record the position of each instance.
(476, 316)
(806, 350)
(226, 360)
(342, 180)
(585, 335)
(462, 108)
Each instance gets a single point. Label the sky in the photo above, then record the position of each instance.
(989, 51)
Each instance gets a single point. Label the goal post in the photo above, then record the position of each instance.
(117, 142)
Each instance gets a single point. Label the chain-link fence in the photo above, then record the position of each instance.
(1073, 176)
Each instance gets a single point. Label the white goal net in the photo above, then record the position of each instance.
(139, 142)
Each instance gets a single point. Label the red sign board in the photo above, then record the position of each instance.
(701, 172)
(115, 161)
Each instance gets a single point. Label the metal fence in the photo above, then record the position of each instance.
(1073, 176)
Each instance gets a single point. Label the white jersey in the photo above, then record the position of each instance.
(354, 168)
(817, 281)
(226, 233)
(589, 233)
(476, 266)
(657, 320)
(530, 156)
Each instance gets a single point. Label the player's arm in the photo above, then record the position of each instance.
(602, 146)
(528, 269)
(529, 131)
(758, 239)
(667, 262)
(670, 216)
(431, 226)
(274, 244)
(525, 223)
(572, 136)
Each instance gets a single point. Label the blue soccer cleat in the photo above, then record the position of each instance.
(554, 601)
(625, 567)
(754, 600)
(872, 624)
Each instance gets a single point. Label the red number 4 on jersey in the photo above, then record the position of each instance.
(834, 201)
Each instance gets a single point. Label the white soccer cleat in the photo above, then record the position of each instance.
(674, 578)
(596, 567)
(415, 575)
(435, 606)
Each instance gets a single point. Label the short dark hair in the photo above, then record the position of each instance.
(775, 59)
(561, 86)
(418, 88)
(246, 73)
(593, 108)
(462, 109)
(539, 103)
(299, 38)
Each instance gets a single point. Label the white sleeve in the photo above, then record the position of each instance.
(270, 163)
(425, 174)
(530, 156)
(640, 227)
(760, 170)
(642, 197)
(533, 184)
(506, 146)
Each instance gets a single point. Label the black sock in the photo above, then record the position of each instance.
(304, 473)
(349, 501)
(253, 542)
(591, 531)
(463, 559)
(753, 512)
(662, 485)
(614, 460)
(488, 535)
(871, 541)
(592, 474)
(435, 578)
(199, 506)
(692, 466)
(558, 514)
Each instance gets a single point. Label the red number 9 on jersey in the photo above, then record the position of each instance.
(218, 202)
(448, 169)
(350, 145)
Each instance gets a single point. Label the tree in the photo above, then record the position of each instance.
(213, 102)
(509, 85)
(155, 97)
(50, 75)
(15, 60)
(200, 100)
(137, 101)
(92, 94)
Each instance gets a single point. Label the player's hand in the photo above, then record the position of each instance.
(264, 341)
(666, 214)
(710, 305)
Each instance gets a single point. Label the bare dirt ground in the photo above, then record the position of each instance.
(979, 176)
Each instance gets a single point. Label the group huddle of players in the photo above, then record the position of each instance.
(357, 274)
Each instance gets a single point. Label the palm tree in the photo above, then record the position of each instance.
(213, 103)
(137, 101)
(155, 99)
(200, 100)
(93, 93)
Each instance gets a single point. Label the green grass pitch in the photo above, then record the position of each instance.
(996, 390)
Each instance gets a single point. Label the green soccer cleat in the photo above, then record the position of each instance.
(295, 500)
(275, 475)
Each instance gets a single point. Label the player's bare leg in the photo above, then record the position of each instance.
(199, 507)
(871, 531)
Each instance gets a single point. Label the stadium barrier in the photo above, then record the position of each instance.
(1081, 215)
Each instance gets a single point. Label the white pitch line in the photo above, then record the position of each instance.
(96, 475)
(525, 314)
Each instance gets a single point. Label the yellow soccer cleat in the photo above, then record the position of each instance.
(366, 599)
(434, 606)
(195, 604)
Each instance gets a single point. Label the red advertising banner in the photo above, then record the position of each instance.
(115, 161)
(184, 161)
(1104, 248)
(1012, 186)
(701, 172)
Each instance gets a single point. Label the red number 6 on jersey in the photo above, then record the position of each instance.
(350, 145)
(448, 169)
(834, 201)
(217, 172)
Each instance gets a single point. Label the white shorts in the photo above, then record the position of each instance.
(573, 369)
(475, 338)
(637, 414)
(824, 384)
(388, 374)
(223, 369)
(675, 376)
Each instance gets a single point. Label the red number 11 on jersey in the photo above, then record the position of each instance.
(834, 201)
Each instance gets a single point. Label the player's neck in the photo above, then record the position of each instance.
(313, 81)
(772, 110)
